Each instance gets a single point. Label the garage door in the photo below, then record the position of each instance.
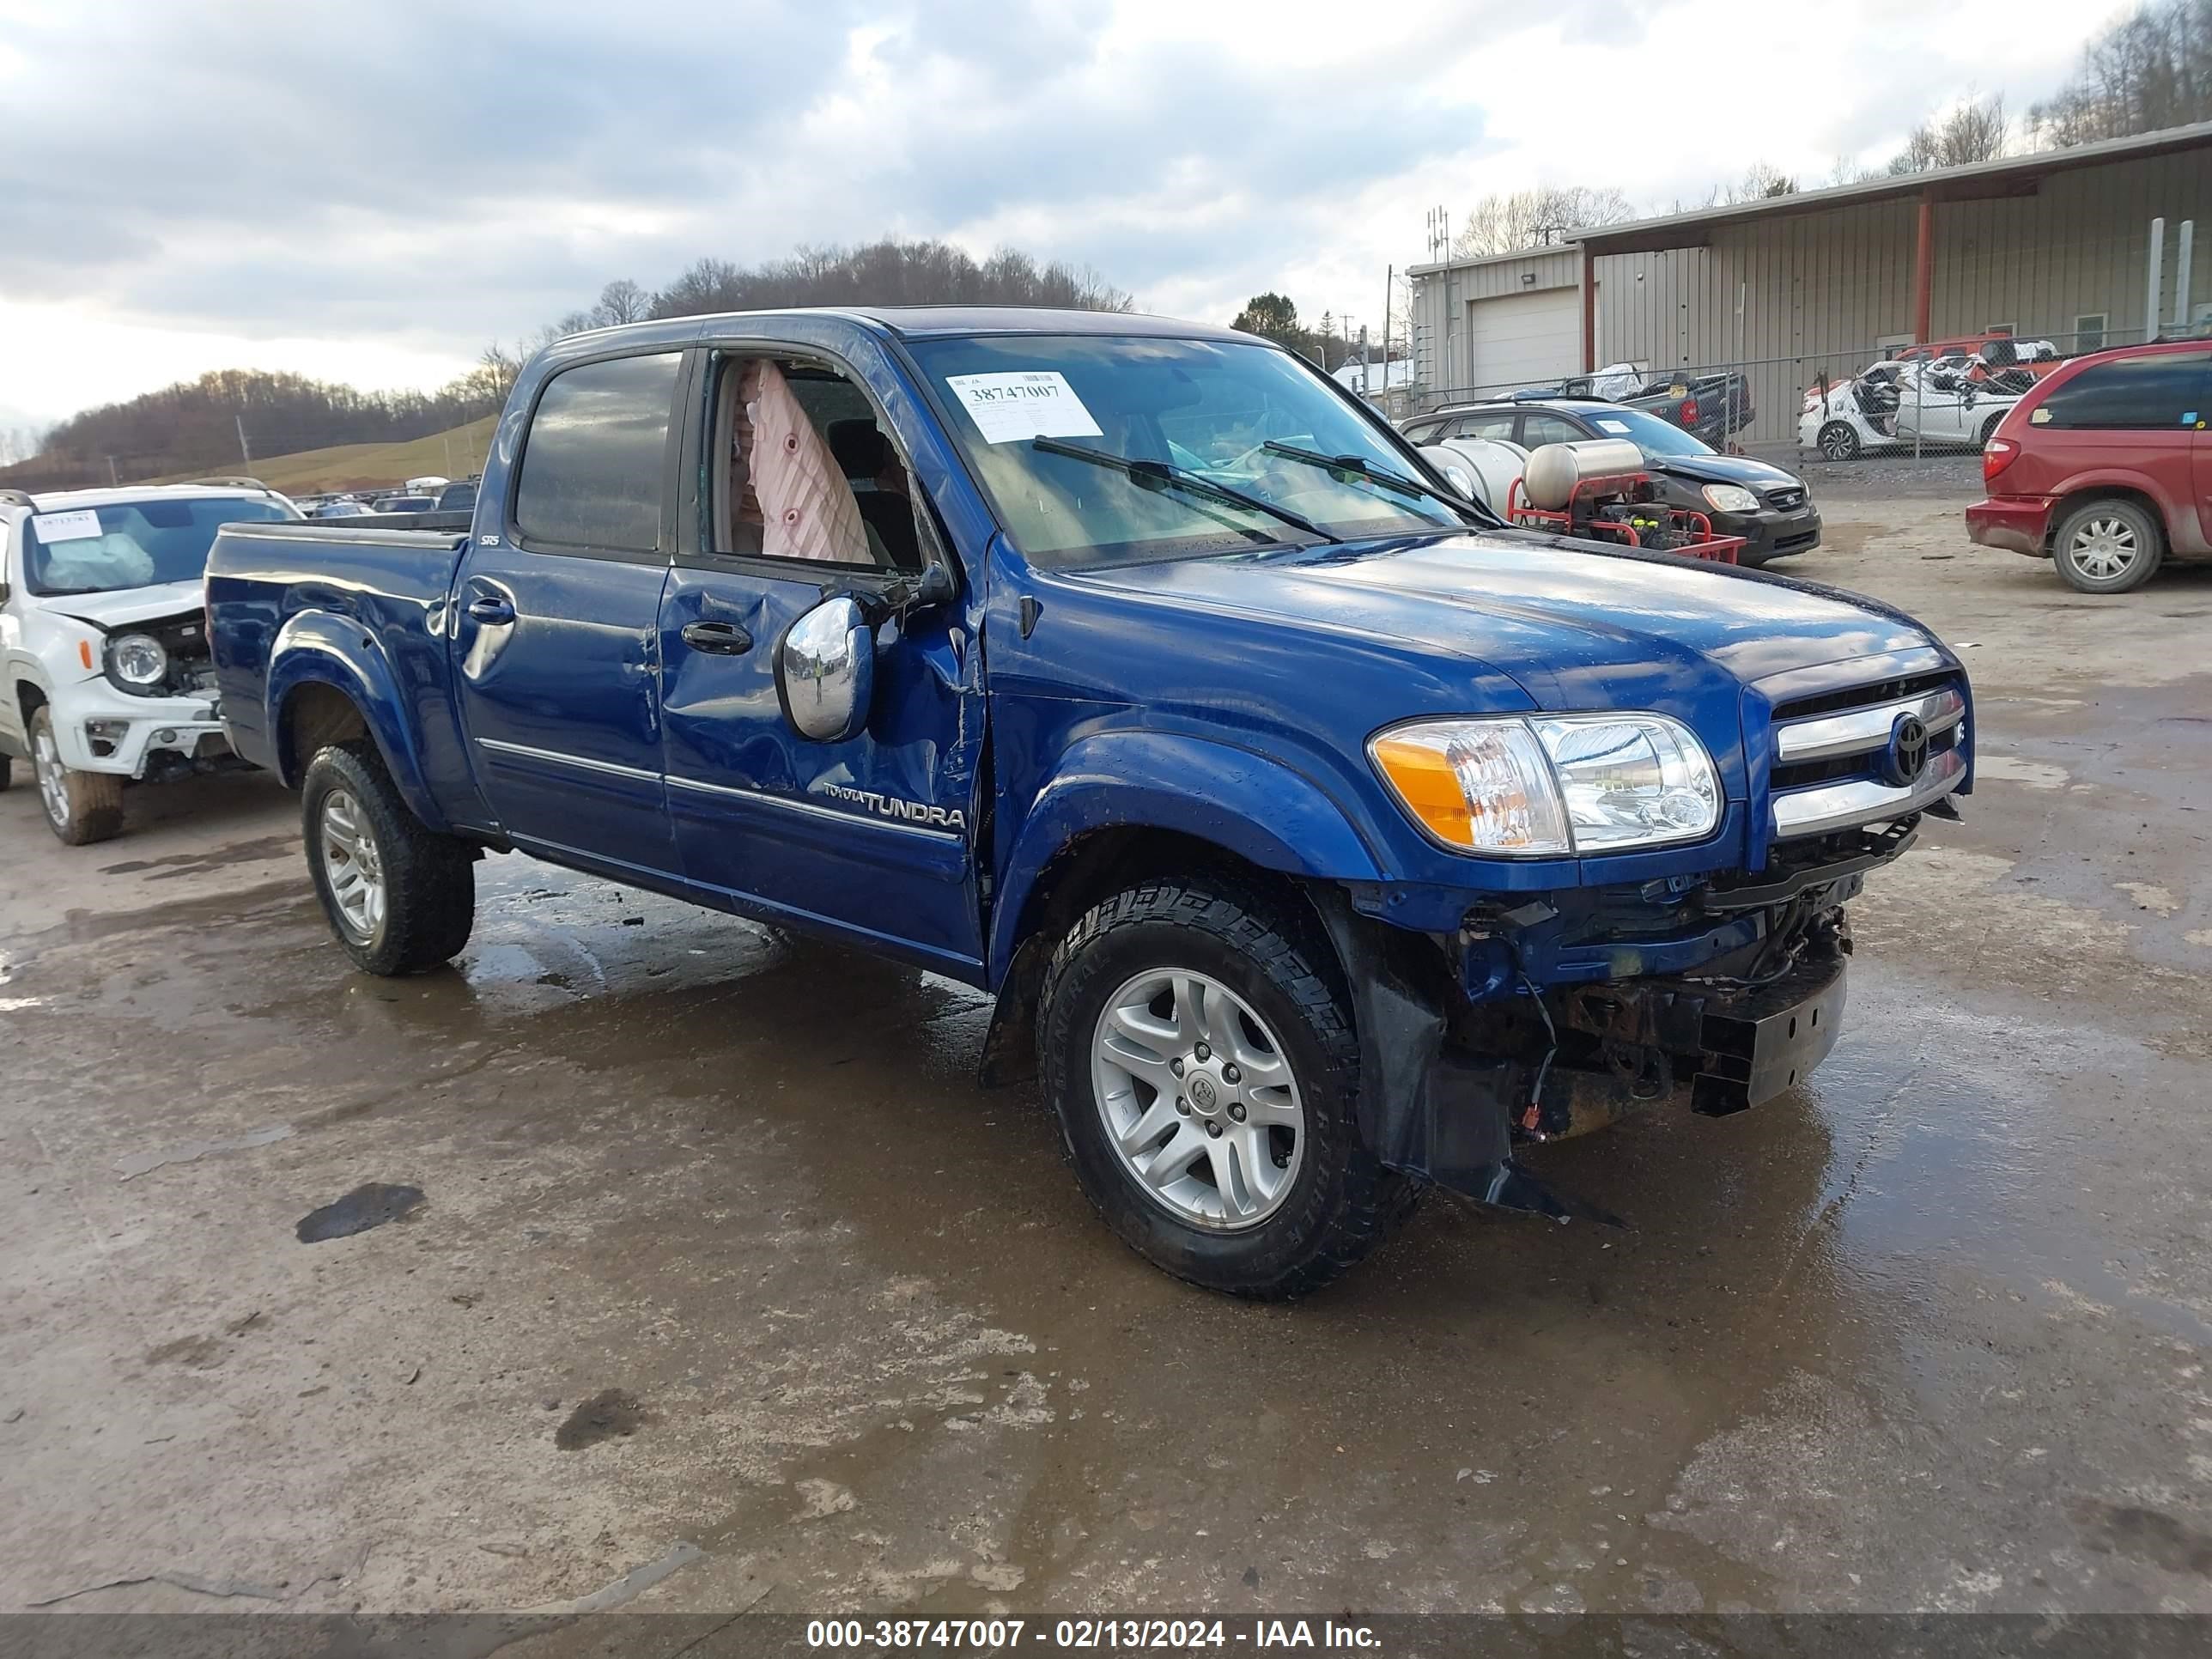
(1520, 339)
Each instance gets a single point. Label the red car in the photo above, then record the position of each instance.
(2105, 467)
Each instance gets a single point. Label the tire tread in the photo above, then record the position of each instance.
(429, 879)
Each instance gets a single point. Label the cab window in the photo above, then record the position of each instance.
(594, 467)
(803, 470)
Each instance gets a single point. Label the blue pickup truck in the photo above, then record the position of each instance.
(1322, 840)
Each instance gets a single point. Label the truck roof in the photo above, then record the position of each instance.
(918, 322)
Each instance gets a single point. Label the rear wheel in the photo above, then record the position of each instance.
(1989, 427)
(399, 898)
(2108, 546)
(1838, 442)
(1202, 1056)
(81, 807)
(7, 770)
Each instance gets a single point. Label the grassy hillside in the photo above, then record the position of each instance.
(454, 454)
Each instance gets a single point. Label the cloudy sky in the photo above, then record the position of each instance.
(371, 189)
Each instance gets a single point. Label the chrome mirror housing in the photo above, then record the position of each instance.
(825, 672)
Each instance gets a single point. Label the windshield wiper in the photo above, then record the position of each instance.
(1352, 464)
(1155, 474)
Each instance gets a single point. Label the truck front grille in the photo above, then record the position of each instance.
(1867, 755)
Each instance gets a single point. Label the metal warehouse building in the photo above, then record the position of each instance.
(2056, 246)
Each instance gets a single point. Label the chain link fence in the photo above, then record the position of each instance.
(1890, 398)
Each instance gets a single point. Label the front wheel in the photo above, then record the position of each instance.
(81, 807)
(399, 898)
(1838, 442)
(1200, 1050)
(2109, 546)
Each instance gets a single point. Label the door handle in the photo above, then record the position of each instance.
(717, 639)
(491, 610)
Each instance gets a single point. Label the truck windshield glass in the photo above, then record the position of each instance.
(1206, 409)
(1647, 432)
(131, 543)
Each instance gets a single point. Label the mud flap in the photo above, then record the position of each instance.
(1441, 1116)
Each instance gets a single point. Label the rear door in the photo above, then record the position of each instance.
(557, 634)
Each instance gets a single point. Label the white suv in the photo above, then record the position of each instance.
(105, 670)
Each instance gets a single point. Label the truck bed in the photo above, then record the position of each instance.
(367, 583)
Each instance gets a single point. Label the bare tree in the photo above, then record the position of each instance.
(2149, 70)
(501, 365)
(622, 301)
(1506, 224)
(1762, 181)
(1974, 130)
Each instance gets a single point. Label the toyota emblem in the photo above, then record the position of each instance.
(1907, 757)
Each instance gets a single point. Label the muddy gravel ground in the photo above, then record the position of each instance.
(648, 1249)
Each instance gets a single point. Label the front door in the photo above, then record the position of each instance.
(870, 838)
(557, 634)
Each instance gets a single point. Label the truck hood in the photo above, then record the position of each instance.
(1577, 626)
(109, 612)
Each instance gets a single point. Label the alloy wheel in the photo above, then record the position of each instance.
(353, 866)
(2103, 548)
(1198, 1099)
(53, 778)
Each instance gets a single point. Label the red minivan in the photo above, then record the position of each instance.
(2105, 467)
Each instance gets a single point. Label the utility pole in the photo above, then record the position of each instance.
(114, 482)
(1390, 293)
(242, 447)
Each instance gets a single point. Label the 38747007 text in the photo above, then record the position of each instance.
(1005, 1635)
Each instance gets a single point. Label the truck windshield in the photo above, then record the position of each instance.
(100, 549)
(1197, 410)
(1647, 432)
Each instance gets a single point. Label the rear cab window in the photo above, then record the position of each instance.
(2151, 392)
(595, 464)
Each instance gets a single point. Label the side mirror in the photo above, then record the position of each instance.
(825, 672)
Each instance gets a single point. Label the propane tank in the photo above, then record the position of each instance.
(1554, 470)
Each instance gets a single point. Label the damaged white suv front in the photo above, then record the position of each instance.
(105, 670)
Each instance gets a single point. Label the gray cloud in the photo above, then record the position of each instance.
(441, 171)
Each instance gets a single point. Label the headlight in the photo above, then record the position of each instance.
(1730, 498)
(137, 659)
(1552, 785)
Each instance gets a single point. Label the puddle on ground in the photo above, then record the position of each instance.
(369, 1206)
(607, 1415)
(213, 858)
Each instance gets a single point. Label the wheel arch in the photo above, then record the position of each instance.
(2078, 494)
(328, 681)
(1112, 817)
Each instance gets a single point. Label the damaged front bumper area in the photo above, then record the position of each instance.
(1556, 1014)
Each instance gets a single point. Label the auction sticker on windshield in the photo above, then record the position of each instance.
(75, 526)
(1618, 427)
(1028, 404)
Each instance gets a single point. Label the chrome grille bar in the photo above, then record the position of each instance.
(1831, 806)
(1857, 731)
